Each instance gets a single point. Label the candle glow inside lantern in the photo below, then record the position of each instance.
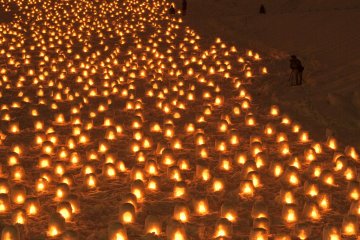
(65, 210)
(181, 213)
(350, 225)
(175, 231)
(32, 206)
(229, 212)
(56, 225)
(153, 225)
(223, 228)
(258, 234)
(201, 206)
(291, 176)
(246, 189)
(302, 231)
(137, 188)
(290, 213)
(202, 172)
(19, 217)
(259, 210)
(116, 231)
(311, 211)
(263, 223)
(18, 194)
(62, 191)
(127, 213)
(331, 232)
(10, 233)
(4, 203)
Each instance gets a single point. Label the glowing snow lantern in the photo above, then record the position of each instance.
(291, 176)
(183, 164)
(355, 208)
(327, 177)
(181, 212)
(311, 211)
(289, 213)
(116, 231)
(127, 213)
(254, 177)
(137, 173)
(351, 152)
(258, 234)
(331, 143)
(109, 170)
(10, 233)
(341, 163)
(14, 128)
(4, 203)
(74, 202)
(32, 206)
(62, 191)
(65, 210)
(17, 172)
(174, 173)
(241, 158)
(223, 228)
(201, 206)
(287, 196)
(41, 184)
(217, 185)
(137, 188)
(350, 225)
(331, 232)
(311, 189)
(56, 225)
(302, 231)
(304, 136)
(269, 129)
(310, 155)
(259, 210)
(179, 190)
(70, 235)
(91, 181)
(153, 225)
(4, 186)
(353, 190)
(246, 189)
(202, 172)
(175, 231)
(324, 201)
(276, 168)
(263, 223)
(153, 183)
(18, 194)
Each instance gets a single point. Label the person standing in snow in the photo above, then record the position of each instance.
(296, 71)
(184, 7)
(172, 9)
(262, 9)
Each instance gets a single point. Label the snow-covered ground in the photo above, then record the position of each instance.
(322, 33)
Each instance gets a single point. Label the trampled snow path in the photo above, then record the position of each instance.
(116, 123)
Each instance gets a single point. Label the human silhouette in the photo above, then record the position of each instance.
(184, 7)
(172, 9)
(262, 9)
(296, 71)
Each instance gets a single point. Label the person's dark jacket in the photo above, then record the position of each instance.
(295, 64)
(171, 10)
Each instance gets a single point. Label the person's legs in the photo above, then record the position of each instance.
(298, 78)
(292, 78)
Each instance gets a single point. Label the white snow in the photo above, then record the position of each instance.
(324, 34)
